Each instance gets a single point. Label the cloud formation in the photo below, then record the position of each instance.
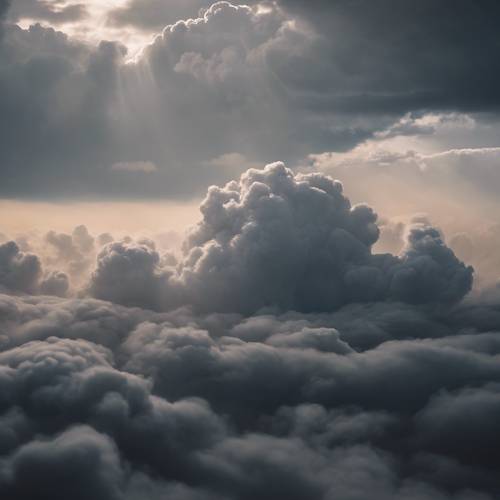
(279, 354)
(234, 407)
(257, 246)
(19, 271)
(290, 360)
(264, 82)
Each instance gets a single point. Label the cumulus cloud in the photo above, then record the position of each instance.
(55, 283)
(276, 239)
(19, 271)
(455, 187)
(84, 462)
(369, 392)
(125, 402)
(264, 82)
(130, 273)
(280, 355)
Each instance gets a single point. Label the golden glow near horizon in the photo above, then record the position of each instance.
(22, 217)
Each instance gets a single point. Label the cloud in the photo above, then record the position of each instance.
(454, 187)
(155, 14)
(427, 124)
(146, 167)
(54, 12)
(229, 80)
(396, 55)
(390, 58)
(19, 271)
(55, 283)
(288, 417)
(130, 274)
(84, 463)
(118, 402)
(61, 92)
(230, 257)
(280, 355)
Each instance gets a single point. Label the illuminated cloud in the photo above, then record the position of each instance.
(263, 83)
(279, 354)
(304, 223)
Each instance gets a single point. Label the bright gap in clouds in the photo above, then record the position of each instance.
(96, 26)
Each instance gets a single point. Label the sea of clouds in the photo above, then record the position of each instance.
(275, 355)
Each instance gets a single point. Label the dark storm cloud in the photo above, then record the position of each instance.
(22, 272)
(57, 113)
(290, 361)
(397, 55)
(229, 262)
(374, 397)
(380, 57)
(236, 83)
(287, 419)
(19, 271)
(81, 111)
(86, 462)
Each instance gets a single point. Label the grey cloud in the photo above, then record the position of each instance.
(130, 274)
(259, 86)
(74, 253)
(456, 181)
(291, 361)
(310, 397)
(60, 93)
(460, 424)
(229, 262)
(82, 110)
(402, 55)
(46, 265)
(378, 58)
(83, 463)
(19, 271)
(55, 283)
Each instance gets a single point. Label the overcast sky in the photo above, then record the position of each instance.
(249, 251)
(142, 99)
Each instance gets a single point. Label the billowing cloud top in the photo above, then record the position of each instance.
(275, 239)
(273, 80)
(286, 359)
(276, 354)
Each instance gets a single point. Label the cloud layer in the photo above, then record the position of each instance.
(295, 345)
(275, 239)
(265, 82)
(286, 359)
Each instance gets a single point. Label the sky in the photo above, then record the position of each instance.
(249, 250)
